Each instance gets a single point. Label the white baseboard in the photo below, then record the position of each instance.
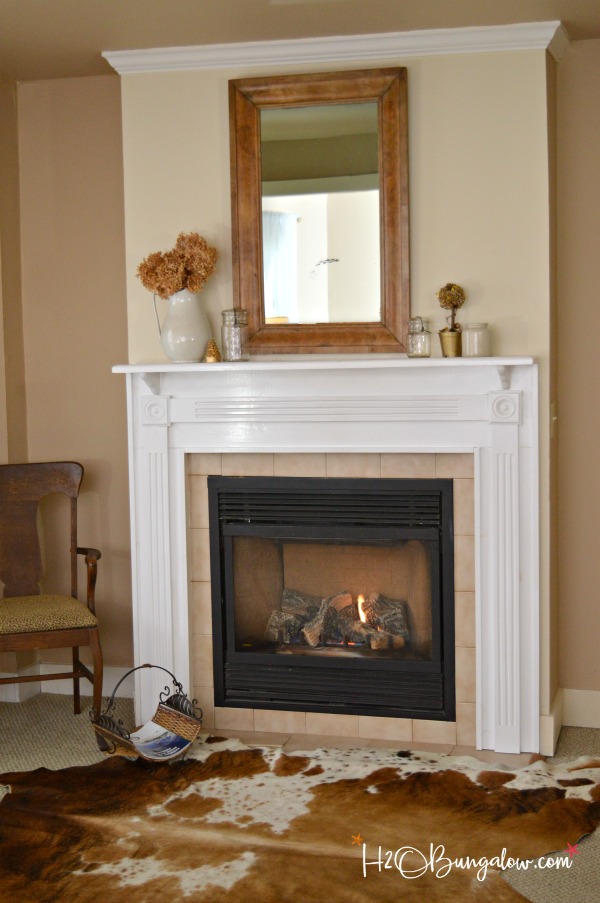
(551, 724)
(581, 708)
(22, 692)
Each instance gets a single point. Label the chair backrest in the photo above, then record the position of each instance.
(22, 486)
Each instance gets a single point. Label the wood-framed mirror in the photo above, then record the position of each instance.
(288, 135)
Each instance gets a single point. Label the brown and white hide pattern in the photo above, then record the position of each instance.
(235, 824)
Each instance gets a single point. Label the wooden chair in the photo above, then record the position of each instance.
(29, 619)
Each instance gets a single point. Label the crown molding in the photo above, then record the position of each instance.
(549, 36)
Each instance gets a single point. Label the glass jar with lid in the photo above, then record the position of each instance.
(234, 335)
(419, 338)
(475, 340)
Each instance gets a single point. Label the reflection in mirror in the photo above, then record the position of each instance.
(320, 214)
(310, 153)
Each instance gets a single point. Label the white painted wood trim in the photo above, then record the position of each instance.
(365, 404)
(549, 36)
(550, 725)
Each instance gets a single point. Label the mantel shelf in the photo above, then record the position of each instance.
(150, 373)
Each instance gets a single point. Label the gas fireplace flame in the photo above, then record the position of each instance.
(361, 614)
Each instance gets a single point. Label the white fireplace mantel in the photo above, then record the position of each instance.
(376, 403)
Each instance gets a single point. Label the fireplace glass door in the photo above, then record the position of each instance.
(333, 595)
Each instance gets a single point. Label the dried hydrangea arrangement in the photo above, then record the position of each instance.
(451, 297)
(188, 265)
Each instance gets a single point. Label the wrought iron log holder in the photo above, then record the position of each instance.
(175, 713)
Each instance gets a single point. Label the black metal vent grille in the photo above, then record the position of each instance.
(333, 502)
(364, 691)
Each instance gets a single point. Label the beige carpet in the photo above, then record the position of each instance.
(44, 733)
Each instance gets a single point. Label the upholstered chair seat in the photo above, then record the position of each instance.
(27, 614)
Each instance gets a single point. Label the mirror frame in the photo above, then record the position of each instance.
(247, 97)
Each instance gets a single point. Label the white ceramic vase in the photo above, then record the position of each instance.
(185, 329)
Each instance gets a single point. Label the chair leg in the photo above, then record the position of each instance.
(76, 692)
(98, 670)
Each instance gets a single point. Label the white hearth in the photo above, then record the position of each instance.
(348, 404)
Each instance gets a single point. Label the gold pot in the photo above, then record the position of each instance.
(450, 342)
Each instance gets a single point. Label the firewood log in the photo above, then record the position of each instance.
(299, 603)
(282, 627)
(357, 632)
(380, 640)
(314, 628)
(389, 614)
(343, 603)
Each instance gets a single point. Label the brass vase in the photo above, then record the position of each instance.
(450, 340)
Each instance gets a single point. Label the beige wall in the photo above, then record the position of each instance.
(469, 175)
(579, 374)
(478, 146)
(74, 315)
(479, 206)
(13, 424)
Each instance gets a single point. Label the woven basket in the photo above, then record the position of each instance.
(175, 713)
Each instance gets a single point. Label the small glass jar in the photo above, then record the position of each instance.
(419, 338)
(475, 340)
(234, 335)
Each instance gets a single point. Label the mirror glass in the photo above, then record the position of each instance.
(319, 199)
(320, 214)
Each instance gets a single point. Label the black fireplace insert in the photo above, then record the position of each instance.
(333, 595)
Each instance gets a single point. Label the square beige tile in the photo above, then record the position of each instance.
(250, 465)
(372, 727)
(197, 494)
(256, 738)
(356, 465)
(200, 609)
(332, 725)
(204, 463)
(464, 564)
(464, 507)
(408, 466)
(204, 698)
(464, 619)
(234, 719)
(202, 661)
(279, 722)
(466, 675)
(299, 742)
(434, 732)
(454, 465)
(300, 465)
(200, 555)
(465, 723)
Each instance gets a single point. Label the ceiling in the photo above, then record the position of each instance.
(42, 39)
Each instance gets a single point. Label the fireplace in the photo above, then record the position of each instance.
(334, 408)
(333, 595)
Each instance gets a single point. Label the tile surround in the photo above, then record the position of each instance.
(366, 729)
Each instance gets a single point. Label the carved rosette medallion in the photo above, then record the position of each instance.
(505, 407)
(155, 411)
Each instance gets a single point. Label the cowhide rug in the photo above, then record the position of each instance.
(236, 824)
